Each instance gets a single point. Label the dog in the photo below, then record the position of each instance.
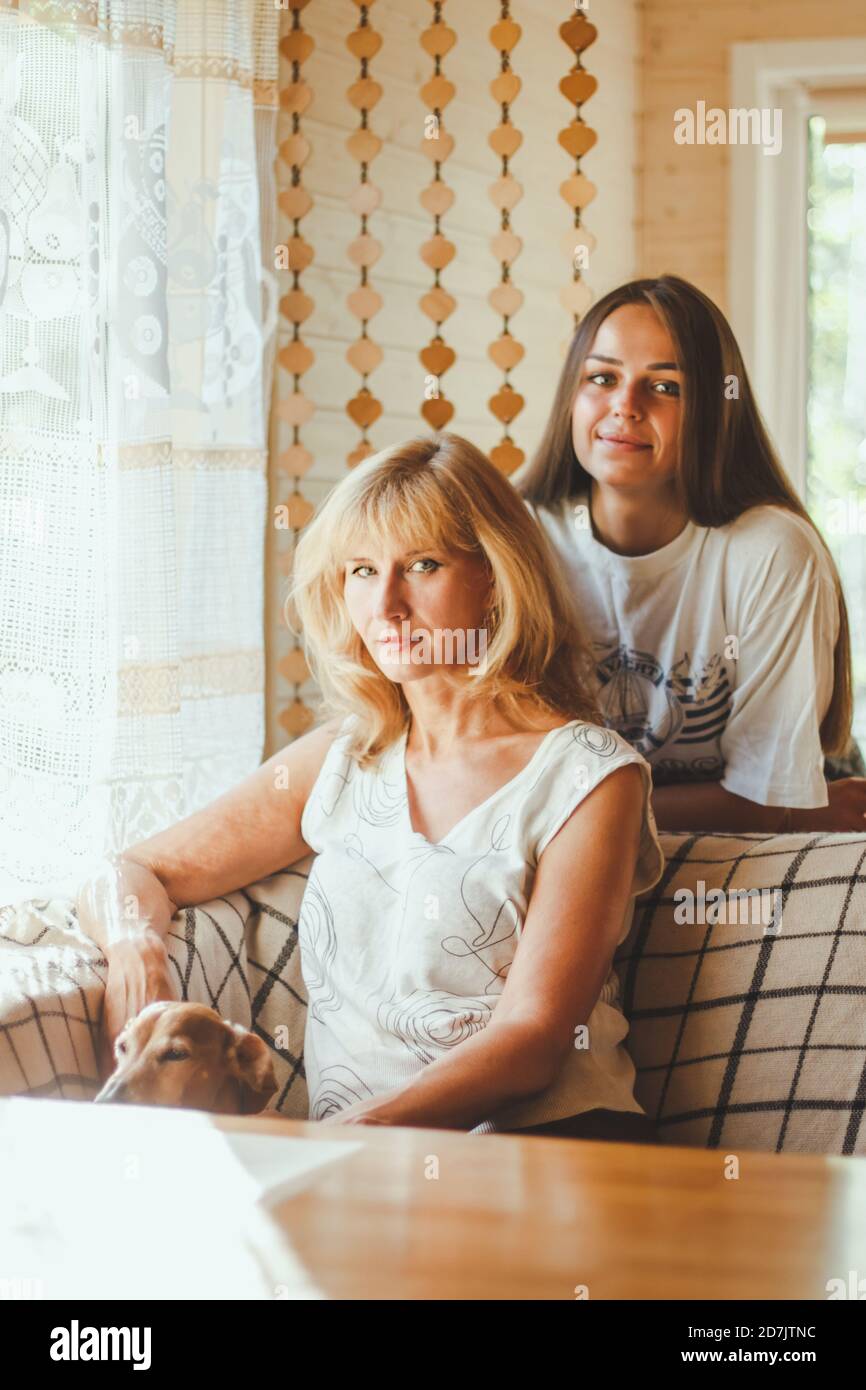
(185, 1055)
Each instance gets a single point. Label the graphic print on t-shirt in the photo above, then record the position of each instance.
(660, 711)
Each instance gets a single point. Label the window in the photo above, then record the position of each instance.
(836, 358)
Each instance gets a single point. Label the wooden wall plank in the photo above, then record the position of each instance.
(682, 193)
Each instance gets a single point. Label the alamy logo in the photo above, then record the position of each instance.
(76, 1343)
(736, 906)
(742, 125)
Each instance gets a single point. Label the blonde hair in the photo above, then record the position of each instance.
(439, 490)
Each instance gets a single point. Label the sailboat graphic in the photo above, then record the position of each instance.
(626, 703)
(635, 699)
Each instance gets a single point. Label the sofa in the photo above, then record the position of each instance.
(743, 978)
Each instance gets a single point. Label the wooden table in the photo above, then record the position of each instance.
(429, 1214)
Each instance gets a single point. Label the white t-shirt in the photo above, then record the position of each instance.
(698, 705)
(406, 944)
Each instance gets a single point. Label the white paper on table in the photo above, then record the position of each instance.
(123, 1201)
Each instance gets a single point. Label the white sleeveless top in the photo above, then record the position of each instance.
(406, 945)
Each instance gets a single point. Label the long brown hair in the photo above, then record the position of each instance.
(727, 463)
(440, 490)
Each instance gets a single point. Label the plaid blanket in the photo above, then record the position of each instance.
(746, 1033)
(750, 1031)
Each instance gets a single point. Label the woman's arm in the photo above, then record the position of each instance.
(248, 833)
(709, 806)
(575, 915)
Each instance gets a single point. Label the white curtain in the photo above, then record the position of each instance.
(137, 307)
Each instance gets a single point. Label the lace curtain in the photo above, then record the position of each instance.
(137, 309)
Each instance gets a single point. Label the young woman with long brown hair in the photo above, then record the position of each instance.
(715, 611)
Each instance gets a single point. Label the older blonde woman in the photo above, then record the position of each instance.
(480, 837)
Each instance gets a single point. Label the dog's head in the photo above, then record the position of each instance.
(186, 1055)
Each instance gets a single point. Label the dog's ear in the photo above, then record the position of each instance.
(253, 1066)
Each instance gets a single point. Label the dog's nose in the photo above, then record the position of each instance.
(114, 1091)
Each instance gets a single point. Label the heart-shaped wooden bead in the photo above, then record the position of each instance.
(437, 198)
(297, 45)
(505, 35)
(363, 145)
(438, 40)
(438, 304)
(576, 297)
(577, 191)
(364, 303)
(505, 192)
(295, 97)
(295, 150)
(293, 667)
(364, 42)
(576, 139)
(295, 461)
(295, 202)
(438, 252)
(438, 92)
(296, 718)
(439, 147)
(506, 352)
(364, 409)
(505, 87)
(358, 455)
(364, 355)
(506, 247)
(505, 299)
(301, 253)
(364, 250)
(364, 198)
(296, 306)
(364, 94)
(578, 33)
(295, 409)
(578, 86)
(506, 404)
(299, 509)
(505, 140)
(437, 357)
(437, 412)
(296, 357)
(506, 457)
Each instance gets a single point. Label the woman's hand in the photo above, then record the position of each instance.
(139, 972)
(846, 811)
(364, 1112)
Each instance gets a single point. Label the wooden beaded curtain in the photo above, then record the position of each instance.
(364, 302)
(577, 139)
(506, 193)
(293, 408)
(436, 199)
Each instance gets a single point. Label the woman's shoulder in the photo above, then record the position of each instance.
(565, 522)
(774, 534)
(595, 748)
(583, 756)
(561, 508)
